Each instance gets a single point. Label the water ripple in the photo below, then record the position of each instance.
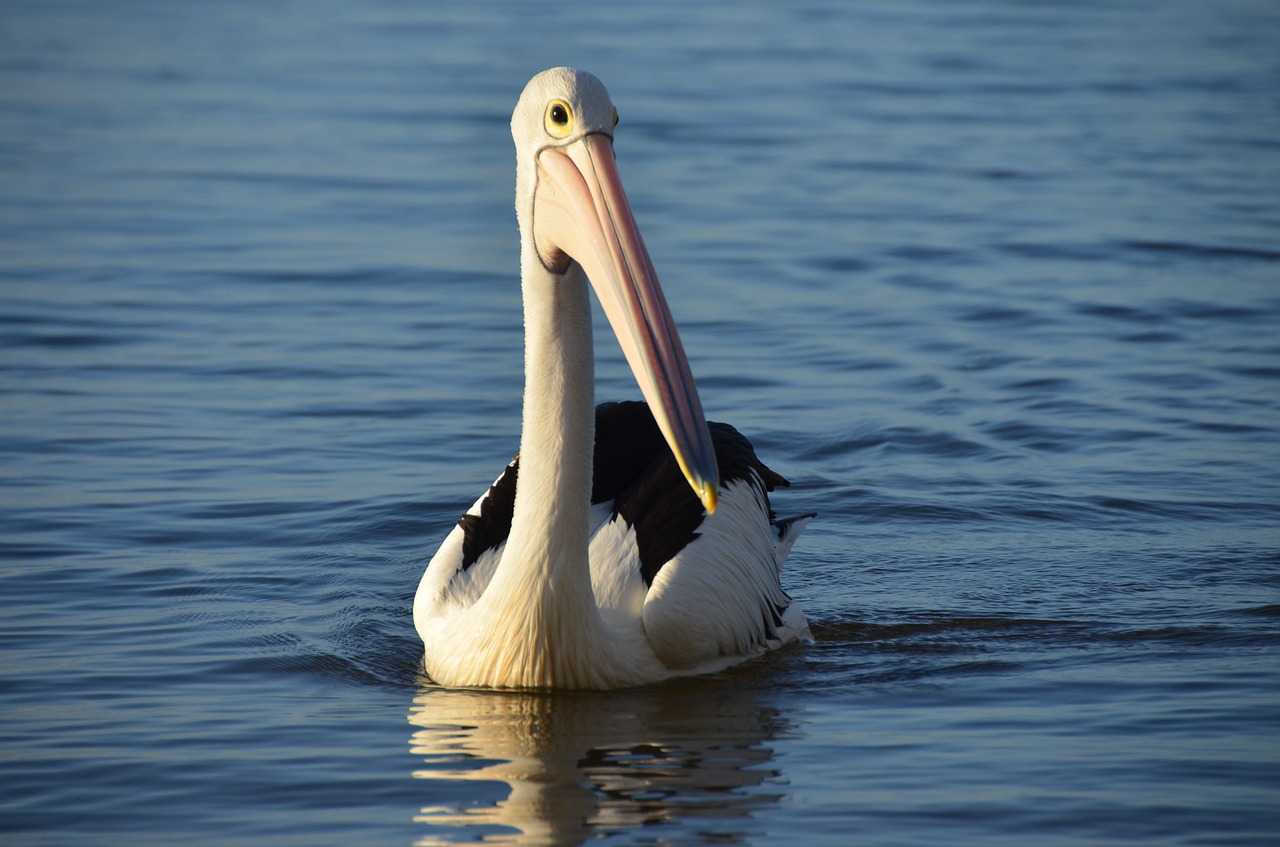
(1003, 309)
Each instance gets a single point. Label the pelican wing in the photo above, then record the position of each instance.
(462, 567)
(711, 581)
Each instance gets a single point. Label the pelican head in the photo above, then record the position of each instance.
(573, 211)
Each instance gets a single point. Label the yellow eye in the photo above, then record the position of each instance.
(559, 120)
(615, 117)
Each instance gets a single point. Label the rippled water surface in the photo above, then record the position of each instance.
(997, 285)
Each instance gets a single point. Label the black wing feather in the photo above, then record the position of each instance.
(636, 471)
(489, 529)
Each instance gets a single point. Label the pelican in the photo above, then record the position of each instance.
(624, 544)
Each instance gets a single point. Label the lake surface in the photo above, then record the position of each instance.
(996, 285)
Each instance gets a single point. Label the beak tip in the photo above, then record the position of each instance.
(709, 494)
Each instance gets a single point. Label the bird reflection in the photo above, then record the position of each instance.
(579, 765)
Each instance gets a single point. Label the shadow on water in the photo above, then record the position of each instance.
(570, 767)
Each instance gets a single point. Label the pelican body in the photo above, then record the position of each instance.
(624, 544)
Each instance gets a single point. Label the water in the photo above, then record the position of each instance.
(997, 285)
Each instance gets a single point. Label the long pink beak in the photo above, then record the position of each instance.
(581, 209)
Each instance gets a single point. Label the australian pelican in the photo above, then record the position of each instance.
(627, 543)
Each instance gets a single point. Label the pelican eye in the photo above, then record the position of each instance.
(615, 117)
(559, 120)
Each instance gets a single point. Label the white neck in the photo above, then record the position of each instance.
(553, 495)
(544, 626)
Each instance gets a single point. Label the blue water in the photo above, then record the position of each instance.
(996, 285)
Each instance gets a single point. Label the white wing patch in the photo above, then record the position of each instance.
(445, 586)
(720, 595)
(615, 572)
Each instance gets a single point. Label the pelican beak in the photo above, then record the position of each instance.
(581, 211)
